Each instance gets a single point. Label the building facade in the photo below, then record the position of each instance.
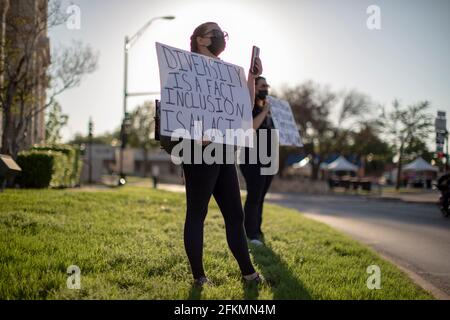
(104, 161)
(24, 35)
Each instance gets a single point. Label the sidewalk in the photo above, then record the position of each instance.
(171, 187)
(425, 196)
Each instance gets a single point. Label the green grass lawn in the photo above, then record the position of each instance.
(128, 244)
(403, 190)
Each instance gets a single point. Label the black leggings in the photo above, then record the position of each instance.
(220, 180)
(257, 187)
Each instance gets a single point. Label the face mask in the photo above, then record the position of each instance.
(217, 45)
(262, 95)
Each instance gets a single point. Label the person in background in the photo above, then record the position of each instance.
(155, 175)
(257, 183)
(443, 184)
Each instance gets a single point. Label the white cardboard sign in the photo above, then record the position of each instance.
(284, 121)
(196, 89)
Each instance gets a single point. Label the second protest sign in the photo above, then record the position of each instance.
(284, 121)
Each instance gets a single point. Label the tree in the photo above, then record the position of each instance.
(105, 138)
(19, 65)
(406, 127)
(355, 106)
(366, 143)
(141, 130)
(311, 105)
(355, 109)
(418, 148)
(55, 121)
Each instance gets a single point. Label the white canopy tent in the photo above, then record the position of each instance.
(341, 164)
(419, 165)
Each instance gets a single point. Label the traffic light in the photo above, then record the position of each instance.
(91, 127)
(127, 122)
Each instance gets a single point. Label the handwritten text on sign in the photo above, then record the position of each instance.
(284, 121)
(199, 89)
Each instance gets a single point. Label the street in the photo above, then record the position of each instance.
(414, 236)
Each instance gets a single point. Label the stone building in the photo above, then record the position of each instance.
(19, 21)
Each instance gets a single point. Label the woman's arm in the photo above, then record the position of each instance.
(258, 120)
(252, 77)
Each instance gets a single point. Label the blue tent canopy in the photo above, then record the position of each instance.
(294, 158)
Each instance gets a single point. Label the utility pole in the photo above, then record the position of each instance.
(442, 137)
(447, 157)
(91, 135)
(129, 42)
(123, 136)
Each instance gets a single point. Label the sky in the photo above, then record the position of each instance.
(326, 41)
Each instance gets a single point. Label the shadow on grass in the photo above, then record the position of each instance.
(251, 291)
(283, 283)
(195, 293)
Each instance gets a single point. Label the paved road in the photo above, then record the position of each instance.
(414, 236)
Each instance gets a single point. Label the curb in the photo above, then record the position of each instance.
(416, 278)
(387, 199)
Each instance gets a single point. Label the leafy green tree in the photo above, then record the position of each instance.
(108, 138)
(142, 127)
(418, 148)
(311, 105)
(55, 121)
(407, 128)
(368, 145)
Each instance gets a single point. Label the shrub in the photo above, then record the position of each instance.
(49, 166)
(37, 169)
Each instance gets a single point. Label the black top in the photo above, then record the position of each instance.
(445, 179)
(268, 121)
(267, 124)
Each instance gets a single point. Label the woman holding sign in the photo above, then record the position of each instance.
(218, 180)
(257, 183)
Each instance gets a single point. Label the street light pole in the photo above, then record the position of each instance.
(125, 95)
(447, 156)
(91, 135)
(122, 129)
(125, 77)
(128, 43)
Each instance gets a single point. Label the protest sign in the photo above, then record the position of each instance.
(284, 121)
(196, 89)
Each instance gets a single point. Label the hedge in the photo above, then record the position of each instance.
(74, 159)
(49, 166)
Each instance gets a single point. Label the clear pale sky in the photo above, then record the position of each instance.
(323, 40)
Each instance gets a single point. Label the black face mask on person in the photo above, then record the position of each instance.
(262, 95)
(217, 45)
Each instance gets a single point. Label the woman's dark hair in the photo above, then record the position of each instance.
(259, 79)
(198, 32)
